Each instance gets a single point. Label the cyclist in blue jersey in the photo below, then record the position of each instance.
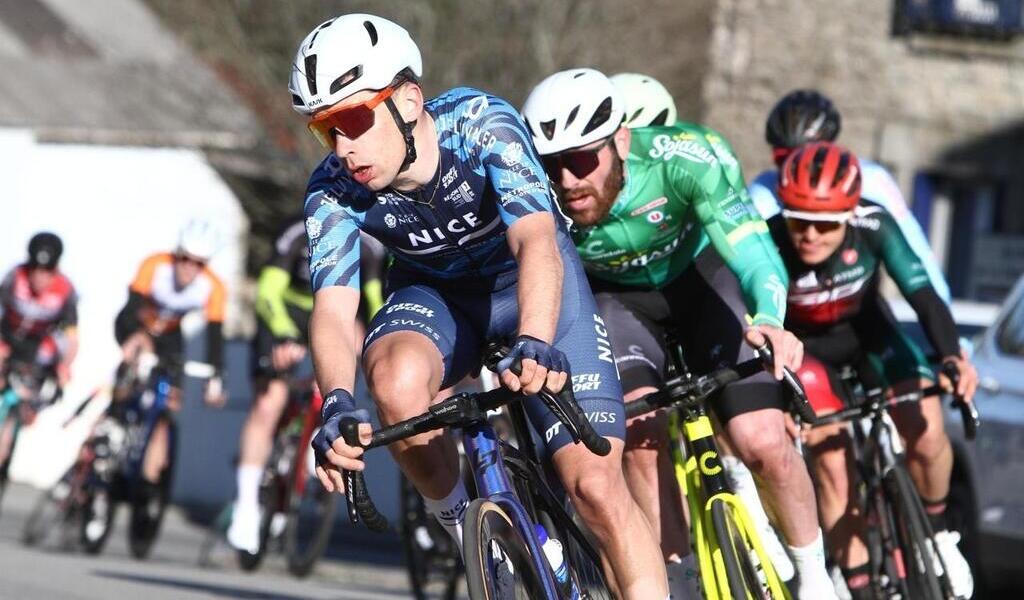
(803, 116)
(455, 192)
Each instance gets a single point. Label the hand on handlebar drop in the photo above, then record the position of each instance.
(788, 351)
(968, 383)
(331, 450)
(543, 365)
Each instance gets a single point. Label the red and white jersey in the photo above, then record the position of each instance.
(166, 302)
(26, 314)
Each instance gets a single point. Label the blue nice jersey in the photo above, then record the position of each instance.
(455, 227)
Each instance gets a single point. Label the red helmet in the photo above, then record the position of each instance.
(820, 181)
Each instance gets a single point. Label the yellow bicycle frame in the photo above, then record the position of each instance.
(709, 554)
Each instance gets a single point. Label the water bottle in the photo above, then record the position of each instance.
(553, 551)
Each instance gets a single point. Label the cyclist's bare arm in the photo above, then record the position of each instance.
(532, 241)
(332, 335)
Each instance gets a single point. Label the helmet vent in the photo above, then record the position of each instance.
(661, 119)
(311, 73)
(548, 128)
(370, 29)
(297, 101)
(635, 115)
(572, 115)
(348, 77)
(318, 30)
(601, 116)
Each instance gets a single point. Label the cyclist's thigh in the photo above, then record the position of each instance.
(583, 337)
(170, 348)
(637, 340)
(422, 309)
(710, 311)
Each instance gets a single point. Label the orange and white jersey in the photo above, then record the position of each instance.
(166, 303)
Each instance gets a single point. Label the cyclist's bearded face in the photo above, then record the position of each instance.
(374, 156)
(587, 198)
(815, 241)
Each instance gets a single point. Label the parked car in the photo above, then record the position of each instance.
(987, 494)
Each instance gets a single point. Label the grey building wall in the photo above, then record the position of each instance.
(904, 101)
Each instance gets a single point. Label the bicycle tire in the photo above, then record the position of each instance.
(431, 558)
(488, 531)
(308, 529)
(742, 582)
(911, 532)
(93, 543)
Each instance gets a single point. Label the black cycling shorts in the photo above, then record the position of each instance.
(704, 306)
(263, 343)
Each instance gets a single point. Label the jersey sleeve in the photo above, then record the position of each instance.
(739, 235)
(762, 194)
(900, 260)
(511, 163)
(332, 229)
(216, 303)
(143, 282)
(69, 312)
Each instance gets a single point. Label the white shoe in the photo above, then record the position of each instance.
(244, 532)
(839, 583)
(959, 571)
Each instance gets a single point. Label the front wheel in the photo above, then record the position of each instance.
(97, 520)
(740, 573)
(914, 535)
(498, 561)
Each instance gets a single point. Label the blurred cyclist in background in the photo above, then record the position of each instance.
(168, 286)
(804, 116)
(284, 301)
(39, 310)
(38, 320)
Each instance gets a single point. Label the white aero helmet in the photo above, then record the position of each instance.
(647, 101)
(571, 109)
(349, 54)
(198, 239)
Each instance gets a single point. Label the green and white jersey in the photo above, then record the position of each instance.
(683, 190)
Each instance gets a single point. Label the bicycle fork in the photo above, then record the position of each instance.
(702, 473)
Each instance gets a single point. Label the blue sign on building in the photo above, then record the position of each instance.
(981, 18)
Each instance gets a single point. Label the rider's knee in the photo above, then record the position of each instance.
(396, 374)
(763, 444)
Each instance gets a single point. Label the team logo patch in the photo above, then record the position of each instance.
(390, 220)
(649, 206)
(655, 217)
(849, 256)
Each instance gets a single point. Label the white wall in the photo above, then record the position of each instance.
(112, 206)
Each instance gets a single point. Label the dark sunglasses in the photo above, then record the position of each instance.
(578, 162)
(185, 258)
(800, 225)
(351, 121)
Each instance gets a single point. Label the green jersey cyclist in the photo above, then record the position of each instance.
(667, 234)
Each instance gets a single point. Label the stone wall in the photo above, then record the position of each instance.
(904, 101)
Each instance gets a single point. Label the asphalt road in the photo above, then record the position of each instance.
(173, 571)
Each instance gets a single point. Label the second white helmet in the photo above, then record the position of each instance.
(198, 239)
(647, 101)
(349, 54)
(571, 109)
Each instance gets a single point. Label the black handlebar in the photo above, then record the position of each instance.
(800, 402)
(461, 409)
(968, 412)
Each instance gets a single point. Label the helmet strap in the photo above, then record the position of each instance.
(406, 129)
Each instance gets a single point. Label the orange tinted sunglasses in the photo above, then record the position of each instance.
(351, 121)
